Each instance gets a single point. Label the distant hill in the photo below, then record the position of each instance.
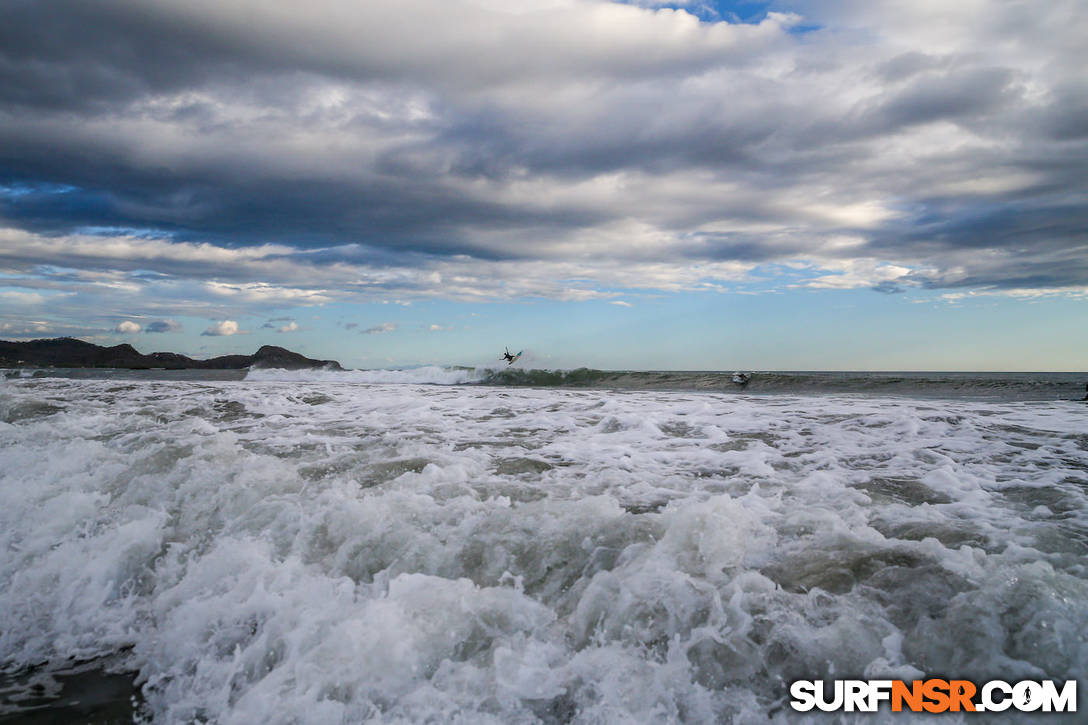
(67, 352)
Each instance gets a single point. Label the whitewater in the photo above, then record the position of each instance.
(374, 547)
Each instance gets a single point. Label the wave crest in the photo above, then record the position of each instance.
(430, 375)
(1006, 386)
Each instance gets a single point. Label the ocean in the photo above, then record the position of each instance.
(454, 545)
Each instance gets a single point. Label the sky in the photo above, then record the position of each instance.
(805, 185)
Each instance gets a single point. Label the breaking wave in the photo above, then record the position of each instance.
(1002, 386)
(430, 375)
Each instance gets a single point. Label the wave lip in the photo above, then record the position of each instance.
(429, 375)
(1001, 386)
(961, 385)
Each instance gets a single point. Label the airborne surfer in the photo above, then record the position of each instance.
(510, 358)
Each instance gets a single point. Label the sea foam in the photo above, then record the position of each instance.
(427, 375)
(267, 551)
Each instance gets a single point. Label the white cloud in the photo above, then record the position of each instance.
(469, 43)
(25, 329)
(291, 326)
(314, 277)
(620, 303)
(86, 248)
(19, 297)
(265, 292)
(223, 328)
(128, 327)
(379, 329)
(859, 273)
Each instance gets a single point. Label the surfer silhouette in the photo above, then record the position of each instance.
(508, 357)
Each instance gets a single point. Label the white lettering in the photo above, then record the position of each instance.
(855, 697)
(1065, 701)
(992, 705)
(804, 695)
(879, 690)
(1027, 696)
(835, 703)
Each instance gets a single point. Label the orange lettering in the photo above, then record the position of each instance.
(961, 692)
(936, 692)
(912, 696)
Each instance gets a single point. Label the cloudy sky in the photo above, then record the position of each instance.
(768, 185)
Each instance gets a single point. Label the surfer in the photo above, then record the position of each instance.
(508, 357)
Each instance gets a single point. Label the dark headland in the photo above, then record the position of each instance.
(67, 352)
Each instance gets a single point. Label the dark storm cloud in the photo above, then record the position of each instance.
(221, 197)
(906, 65)
(68, 54)
(412, 135)
(946, 97)
(163, 326)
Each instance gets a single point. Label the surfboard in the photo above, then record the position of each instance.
(515, 358)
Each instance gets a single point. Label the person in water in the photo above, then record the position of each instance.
(507, 356)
